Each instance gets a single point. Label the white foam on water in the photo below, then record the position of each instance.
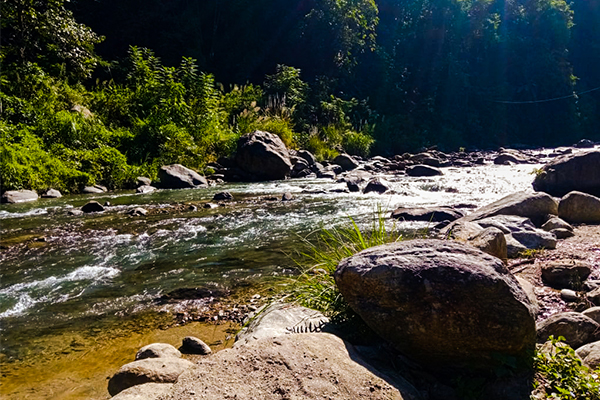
(48, 290)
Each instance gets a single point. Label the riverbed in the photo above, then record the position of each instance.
(83, 293)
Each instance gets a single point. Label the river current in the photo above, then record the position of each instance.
(95, 271)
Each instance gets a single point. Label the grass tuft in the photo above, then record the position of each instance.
(316, 288)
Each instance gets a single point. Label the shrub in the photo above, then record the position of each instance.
(560, 374)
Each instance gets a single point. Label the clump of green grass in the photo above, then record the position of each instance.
(561, 375)
(316, 288)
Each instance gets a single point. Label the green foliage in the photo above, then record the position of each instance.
(561, 375)
(316, 288)
(45, 32)
(25, 165)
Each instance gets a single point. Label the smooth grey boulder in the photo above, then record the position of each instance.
(92, 206)
(433, 214)
(157, 370)
(578, 207)
(576, 328)
(51, 194)
(566, 273)
(536, 239)
(442, 303)
(281, 319)
(423, 170)
(346, 161)
(535, 206)
(145, 189)
(491, 241)
(176, 176)
(590, 354)
(18, 196)
(573, 172)
(158, 350)
(193, 345)
(377, 185)
(146, 391)
(263, 155)
(522, 230)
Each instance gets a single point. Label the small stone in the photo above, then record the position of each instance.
(107, 204)
(158, 350)
(562, 233)
(92, 206)
(193, 345)
(594, 296)
(223, 196)
(138, 211)
(569, 295)
(287, 197)
(210, 205)
(143, 181)
(74, 212)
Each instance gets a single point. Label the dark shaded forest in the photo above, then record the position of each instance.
(180, 80)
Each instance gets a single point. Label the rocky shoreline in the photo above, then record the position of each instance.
(515, 272)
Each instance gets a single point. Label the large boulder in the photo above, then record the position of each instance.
(298, 366)
(51, 194)
(535, 206)
(580, 172)
(176, 176)
(157, 370)
(576, 328)
(19, 196)
(442, 303)
(263, 155)
(347, 162)
(578, 207)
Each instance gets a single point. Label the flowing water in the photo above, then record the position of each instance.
(69, 281)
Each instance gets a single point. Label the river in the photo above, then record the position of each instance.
(72, 285)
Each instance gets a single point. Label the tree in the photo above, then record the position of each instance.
(46, 33)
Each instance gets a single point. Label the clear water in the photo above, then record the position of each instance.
(94, 270)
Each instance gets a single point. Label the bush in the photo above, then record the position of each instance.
(560, 374)
(25, 165)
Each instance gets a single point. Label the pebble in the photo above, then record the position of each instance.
(569, 295)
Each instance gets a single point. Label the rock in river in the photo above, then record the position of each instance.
(19, 196)
(576, 328)
(442, 303)
(158, 350)
(263, 155)
(176, 176)
(92, 206)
